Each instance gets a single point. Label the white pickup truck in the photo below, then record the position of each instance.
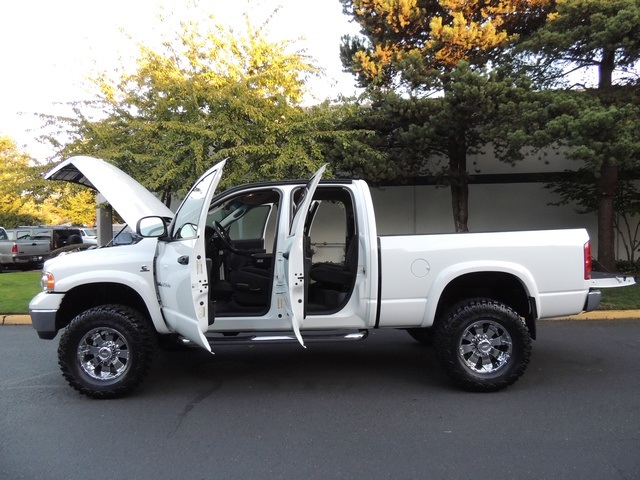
(296, 261)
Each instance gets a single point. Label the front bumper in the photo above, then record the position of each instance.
(43, 310)
(44, 322)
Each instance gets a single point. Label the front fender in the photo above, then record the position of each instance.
(143, 284)
(131, 266)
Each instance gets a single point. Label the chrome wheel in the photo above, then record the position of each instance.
(106, 351)
(103, 354)
(485, 347)
(482, 344)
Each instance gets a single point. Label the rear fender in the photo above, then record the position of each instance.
(451, 273)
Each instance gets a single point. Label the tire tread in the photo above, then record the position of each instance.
(446, 347)
(124, 317)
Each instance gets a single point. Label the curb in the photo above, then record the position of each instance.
(602, 315)
(596, 315)
(15, 319)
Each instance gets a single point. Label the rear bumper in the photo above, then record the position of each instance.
(593, 300)
(604, 280)
(22, 259)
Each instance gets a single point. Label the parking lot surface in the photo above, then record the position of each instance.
(380, 408)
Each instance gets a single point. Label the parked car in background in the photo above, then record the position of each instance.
(20, 249)
(58, 236)
(27, 247)
(89, 235)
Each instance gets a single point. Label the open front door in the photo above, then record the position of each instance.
(181, 266)
(291, 275)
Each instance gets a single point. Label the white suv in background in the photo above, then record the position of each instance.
(89, 235)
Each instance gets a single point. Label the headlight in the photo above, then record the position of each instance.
(47, 282)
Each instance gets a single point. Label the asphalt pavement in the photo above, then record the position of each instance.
(376, 409)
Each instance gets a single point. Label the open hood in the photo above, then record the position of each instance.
(127, 197)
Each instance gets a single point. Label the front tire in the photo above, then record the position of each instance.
(106, 351)
(483, 345)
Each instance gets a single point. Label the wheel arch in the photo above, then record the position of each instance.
(89, 295)
(514, 289)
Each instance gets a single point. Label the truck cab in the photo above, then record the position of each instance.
(268, 257)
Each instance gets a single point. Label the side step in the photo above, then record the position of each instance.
(217, 339)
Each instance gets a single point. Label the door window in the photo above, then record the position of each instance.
(250, 216)
(185, 224)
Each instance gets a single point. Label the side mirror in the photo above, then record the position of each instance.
(152, 227)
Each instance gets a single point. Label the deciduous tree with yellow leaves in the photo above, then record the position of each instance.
(205, 95)
(26, 199)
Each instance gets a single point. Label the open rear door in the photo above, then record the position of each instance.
(290, 275)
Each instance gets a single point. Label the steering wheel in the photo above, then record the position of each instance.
(223, 236)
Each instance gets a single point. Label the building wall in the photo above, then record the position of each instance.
(492, 207)
(500, 206)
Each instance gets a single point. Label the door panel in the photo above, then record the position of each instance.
(290, 261)
(181, 267)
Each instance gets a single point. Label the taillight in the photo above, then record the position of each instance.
(14, 248)
(587, 261)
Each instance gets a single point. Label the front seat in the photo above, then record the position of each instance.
(252, 282)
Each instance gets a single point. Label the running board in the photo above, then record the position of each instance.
(217, 339)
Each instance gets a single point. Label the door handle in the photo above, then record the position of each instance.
(183, 260)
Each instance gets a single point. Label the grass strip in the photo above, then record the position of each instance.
(16, 291)
(621, 298)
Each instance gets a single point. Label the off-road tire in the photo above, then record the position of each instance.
(106, 351)
(483, 345)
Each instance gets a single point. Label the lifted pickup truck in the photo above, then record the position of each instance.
(19, 249)
(296, 261)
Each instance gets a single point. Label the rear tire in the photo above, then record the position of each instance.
(106, 351)
(483, 345)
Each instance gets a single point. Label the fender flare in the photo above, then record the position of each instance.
(144, 289)
(453, 272)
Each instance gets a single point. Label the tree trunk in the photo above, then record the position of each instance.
(605, 69)
(607, 183)
(459, 182)
(460, 201)
(166, 198)
(606, 191)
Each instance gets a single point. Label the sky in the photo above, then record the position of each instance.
(50, 48)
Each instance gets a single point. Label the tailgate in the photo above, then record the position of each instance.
(33, 247)
(610, 280)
